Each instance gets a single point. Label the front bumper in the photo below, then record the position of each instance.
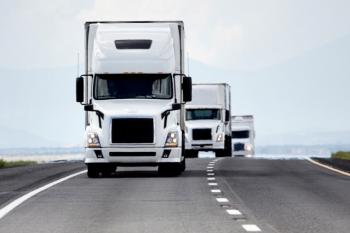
(243, 153)
(205, 145)
(137, 156)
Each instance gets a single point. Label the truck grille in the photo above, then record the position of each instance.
(201, 134)
(132, 130)
(238, 147)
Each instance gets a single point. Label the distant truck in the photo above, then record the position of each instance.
(243, 135)
(133, 91)
(208, 120)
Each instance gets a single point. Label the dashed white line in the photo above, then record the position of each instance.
(251, 227)
(211, 174)
(233, 212)
(211, 178)
(215, 191)
(212, 184)
(8, 208)
(222, 200)
(210, 170)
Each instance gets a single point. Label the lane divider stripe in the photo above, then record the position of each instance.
(251, 227)
(8, 208)
(233, 212)
(221, 199)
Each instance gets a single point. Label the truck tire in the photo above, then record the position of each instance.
(107, 170)
(228, 146)
(183, 165)
(220, 153)
(191, 153)
(92, 171)
(170, 169)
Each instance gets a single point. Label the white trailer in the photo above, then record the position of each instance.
(133, 92)
(208, 120)
(243, 135)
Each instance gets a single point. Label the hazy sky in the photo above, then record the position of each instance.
(242, 37)
(231, 34)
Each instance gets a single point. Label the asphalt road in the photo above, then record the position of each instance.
(273, 195)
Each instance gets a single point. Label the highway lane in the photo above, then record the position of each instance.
(17, 181)
(129, 202)
(293, 196)
(273, 195)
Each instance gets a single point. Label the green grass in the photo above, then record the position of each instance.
(17, 163)
(341, 155)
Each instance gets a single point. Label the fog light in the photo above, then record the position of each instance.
(166, 153)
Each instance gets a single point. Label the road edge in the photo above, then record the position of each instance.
(18, 201)
(328, 167)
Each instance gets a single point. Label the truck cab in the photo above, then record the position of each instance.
(133, 91)
(208, 124)
(243, 135)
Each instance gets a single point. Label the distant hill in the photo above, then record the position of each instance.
(13, 138)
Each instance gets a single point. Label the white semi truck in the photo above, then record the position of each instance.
(243, 135)
(133, 91)
(208, 120)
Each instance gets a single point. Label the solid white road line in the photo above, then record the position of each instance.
(251, 227)
(221, 199)
(233, 212)
(212, 184)
(215, 191)
(328, 167)
(8, 208)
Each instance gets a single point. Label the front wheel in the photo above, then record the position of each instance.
(92, 171)
(170, 169)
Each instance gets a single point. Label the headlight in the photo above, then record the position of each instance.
(248, 146)
(171, 140)
(220, 137)
(93, 140)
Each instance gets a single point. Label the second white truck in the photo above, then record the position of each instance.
(208, 120)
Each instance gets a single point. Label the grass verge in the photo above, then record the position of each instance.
(341, 155)
(17, 163)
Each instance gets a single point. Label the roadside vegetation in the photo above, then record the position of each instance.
(17, 163)
(341, 155)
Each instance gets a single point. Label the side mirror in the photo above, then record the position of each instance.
(176, 106)
(187, 89)
(89, 107)
(79, 90)
(227, 115)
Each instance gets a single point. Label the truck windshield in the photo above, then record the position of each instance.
(202, 114)
(132, 86)
(240, 134)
